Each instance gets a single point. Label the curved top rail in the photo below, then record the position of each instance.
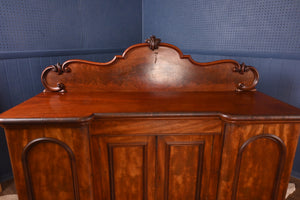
(150, 66)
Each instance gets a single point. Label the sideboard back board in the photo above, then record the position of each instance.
(151, 124)
(153, 69)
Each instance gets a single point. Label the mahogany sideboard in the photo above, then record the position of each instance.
(151, 124)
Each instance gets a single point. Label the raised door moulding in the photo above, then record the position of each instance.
(280, 166)
(27, 173)
(200, 145)
(154, 44)
(111, 147)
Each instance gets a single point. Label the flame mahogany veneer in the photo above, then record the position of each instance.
(151, 124)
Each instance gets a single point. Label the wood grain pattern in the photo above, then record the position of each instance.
(159, 68)
(259, 171)
(82, 107)
(126, 164)
(61, 160)
(49, 164)
(158, 126)
(270, 169)
(184, 163)
(184, 167)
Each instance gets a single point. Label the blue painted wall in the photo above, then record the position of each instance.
(261, 33)
(35, 34)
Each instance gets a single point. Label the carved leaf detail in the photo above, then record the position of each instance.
(153, 42)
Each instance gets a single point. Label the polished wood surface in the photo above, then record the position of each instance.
(260, 169)
(141, 68)
(127, 164)
(185, 168)
(48, 163)
(62, 107)
(151, 124)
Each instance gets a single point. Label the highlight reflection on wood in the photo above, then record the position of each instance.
(151, 124)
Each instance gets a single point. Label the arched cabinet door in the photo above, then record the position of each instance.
(51, 162)
(256, 161)
(50, 169)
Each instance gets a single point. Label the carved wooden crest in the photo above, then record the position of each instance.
(153, 42)
(140, 68)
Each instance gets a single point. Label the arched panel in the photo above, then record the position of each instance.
(55, 159)
(260, 164)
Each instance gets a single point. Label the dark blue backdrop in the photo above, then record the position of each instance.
(34, 34)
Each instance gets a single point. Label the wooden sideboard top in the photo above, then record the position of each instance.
(80, 107)
(150, 79)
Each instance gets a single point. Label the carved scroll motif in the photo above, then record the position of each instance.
(51, 75)
(153, 42)
(242, 68)
(59, 69)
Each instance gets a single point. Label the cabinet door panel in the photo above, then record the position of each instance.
(256, 161)
(185, 167)
(51, 162)
(49, 165)
(124, 167)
